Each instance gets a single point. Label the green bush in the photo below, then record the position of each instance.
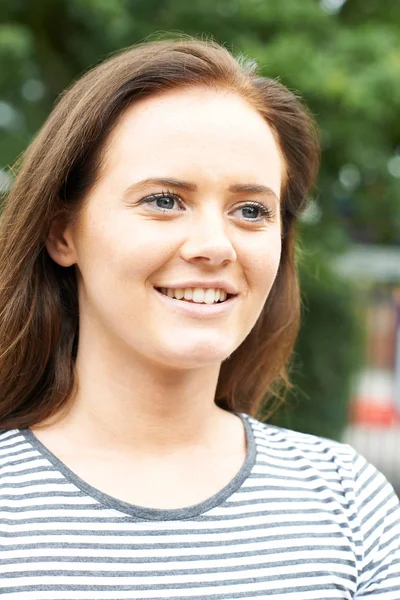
(328, 353)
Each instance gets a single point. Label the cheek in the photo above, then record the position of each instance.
(123, 250)
(262, 266)
(142, 255)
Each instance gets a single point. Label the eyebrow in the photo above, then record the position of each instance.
(236, 188)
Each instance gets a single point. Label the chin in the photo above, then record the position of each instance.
(199, 354)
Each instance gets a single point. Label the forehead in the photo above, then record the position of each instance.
(208, 132)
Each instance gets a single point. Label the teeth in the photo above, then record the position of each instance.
(179, 294)
(198, 295)
(209, 296)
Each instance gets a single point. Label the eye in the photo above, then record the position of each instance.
(256, 212)
(163, 201)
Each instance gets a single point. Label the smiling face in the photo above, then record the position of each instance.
(188, 197)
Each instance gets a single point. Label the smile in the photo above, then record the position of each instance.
(197, 309)
(196, 295)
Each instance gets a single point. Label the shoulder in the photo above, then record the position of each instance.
(330, 469)
(294, 444)
(321, 462)
(14, 448)
(10, 441)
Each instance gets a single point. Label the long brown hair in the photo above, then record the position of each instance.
(38, 299)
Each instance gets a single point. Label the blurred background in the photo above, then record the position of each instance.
(343, 58)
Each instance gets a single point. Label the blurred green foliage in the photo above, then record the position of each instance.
(328, 353)
(343, 58)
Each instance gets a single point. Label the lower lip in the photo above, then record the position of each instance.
(192, 309)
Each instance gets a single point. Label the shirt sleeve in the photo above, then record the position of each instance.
(378, 512)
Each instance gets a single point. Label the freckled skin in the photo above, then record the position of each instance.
(123, 248)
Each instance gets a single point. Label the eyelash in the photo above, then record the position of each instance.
(267, 213)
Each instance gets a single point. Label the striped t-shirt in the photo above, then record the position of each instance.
(305, 518)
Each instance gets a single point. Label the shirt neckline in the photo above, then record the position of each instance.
(155, 514)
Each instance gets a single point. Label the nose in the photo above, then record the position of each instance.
(207, 240)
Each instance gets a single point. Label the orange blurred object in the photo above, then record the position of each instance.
(365, 412)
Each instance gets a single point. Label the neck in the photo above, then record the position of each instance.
(125, 404)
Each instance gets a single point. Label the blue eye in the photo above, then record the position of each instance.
(253, 211)
(250, 211)
(164, 201)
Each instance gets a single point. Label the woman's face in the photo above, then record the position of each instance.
(188, 198)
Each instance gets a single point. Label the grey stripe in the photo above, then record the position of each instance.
(212, 521)
(186, 558)
(192, 571)
(181, 545)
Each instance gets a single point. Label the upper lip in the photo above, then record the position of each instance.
(221, 285)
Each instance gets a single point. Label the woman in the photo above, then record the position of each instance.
(149, 302)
